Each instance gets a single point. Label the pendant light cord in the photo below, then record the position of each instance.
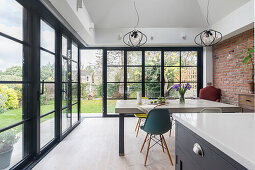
(138, 18)
(207, 16)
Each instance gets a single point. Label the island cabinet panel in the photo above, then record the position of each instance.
(210, 158)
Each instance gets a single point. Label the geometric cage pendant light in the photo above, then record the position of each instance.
(209, 36)
(135, 38)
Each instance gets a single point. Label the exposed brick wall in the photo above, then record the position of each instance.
(228, 71)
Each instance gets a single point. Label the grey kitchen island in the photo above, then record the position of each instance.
(215, 141)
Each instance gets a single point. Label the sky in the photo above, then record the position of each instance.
(88, 57)
(11, 24)
(11, 52)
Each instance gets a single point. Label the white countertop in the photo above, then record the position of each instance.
(232, 133)
(174, 106)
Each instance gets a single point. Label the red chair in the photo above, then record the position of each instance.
(210, 93)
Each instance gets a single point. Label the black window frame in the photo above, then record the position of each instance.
(162, 66)
(33, 12)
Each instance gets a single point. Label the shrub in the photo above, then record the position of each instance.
(11, 95)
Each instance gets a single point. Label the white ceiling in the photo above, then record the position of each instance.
(158, 13)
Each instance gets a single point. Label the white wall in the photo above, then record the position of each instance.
(162, 36)
(207, 66)
(78, 19)
(240, 20)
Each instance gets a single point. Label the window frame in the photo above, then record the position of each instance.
(162, 66)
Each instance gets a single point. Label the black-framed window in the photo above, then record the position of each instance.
(152, 74)
(47, 83)
(30, 81)
(74, 84)
(153, 71)
(134, 73)
(14, 84)
(115, 78)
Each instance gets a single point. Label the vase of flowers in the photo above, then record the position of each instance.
(182, 90)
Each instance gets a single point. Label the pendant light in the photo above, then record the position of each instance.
(135, 38)
(209, 36)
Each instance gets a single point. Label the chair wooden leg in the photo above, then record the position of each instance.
(138, 128)
(144, 142)
(167, 150)
(148, 148)
(162, 143)
(137, 124)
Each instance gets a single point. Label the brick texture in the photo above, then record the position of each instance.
(228, 70)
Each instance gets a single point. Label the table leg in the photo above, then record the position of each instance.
(121, 134)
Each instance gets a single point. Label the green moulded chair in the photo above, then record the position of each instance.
(157, 123)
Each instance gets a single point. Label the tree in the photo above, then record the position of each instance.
(15, 70)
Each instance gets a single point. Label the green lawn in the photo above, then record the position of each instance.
(87, 106)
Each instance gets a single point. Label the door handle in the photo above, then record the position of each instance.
(197, 149)
(42, 91)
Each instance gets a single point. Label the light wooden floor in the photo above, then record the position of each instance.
(93, 145)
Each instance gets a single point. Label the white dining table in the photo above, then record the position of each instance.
(127, 107)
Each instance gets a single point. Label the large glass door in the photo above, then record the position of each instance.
(47, 84)
(66, 111)
(70, 84)
(91, 82)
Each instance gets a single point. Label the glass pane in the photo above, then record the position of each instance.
(64, 94)
(172, 74)
(115, 57)
(152, 90)
(115, 74)
(132, 89)
(115, 90)
(47, 67)
(134, 58)
(47, 37)
(47, 99)
(11, 147)
(11, 18)
(64, 46)
(74, 72)
(153, 58)
(10, 104)
(152, 74)
(192, 93)
(74, 114)
(189, 58)
(74, 52)
(74, 92)
(189, 74)
(64, 70)
(172, 58)
(111, 104)
(47, 129)
(66, 119)
(169, 92)
(11, 60)
(134, 74)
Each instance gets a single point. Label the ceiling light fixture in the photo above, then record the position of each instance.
(209, 36)
(135, 38)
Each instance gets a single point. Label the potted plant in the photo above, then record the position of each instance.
(7, 140)
(182, 90)
(248, 58)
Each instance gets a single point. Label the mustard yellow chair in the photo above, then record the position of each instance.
(140, 118)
